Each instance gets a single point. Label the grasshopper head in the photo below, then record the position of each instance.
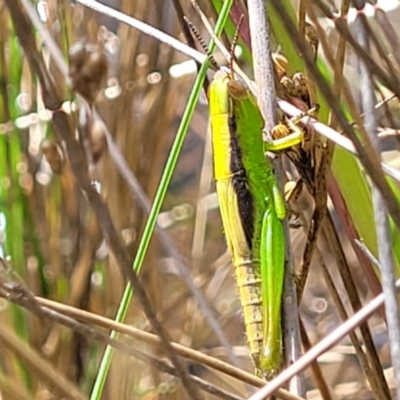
(237, 90)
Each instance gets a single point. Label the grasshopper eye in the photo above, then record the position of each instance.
(237, 90)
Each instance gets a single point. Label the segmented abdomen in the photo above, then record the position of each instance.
(249, 285)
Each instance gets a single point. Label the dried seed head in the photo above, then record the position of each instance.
(280, 131)
(293, 190)
(53, 155)
(295, 90)
(87, 69)
(281, 63)
(312, 38)
(97, 140)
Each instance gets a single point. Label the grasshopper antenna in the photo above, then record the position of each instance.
(234, 43)
(222, 48)
(203, 44)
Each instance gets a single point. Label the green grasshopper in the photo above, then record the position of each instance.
(252, 210)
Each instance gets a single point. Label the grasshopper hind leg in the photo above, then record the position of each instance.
(272, 276)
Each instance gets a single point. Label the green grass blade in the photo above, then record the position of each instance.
(158, 200)
(351, 180)
(295, 63)
(357, 195)
(12, 168)
(394, 230)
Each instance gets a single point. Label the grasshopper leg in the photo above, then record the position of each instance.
(272, 276)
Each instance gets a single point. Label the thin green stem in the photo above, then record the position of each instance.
(158, 200)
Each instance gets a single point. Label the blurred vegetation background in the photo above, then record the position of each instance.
(51, 244)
